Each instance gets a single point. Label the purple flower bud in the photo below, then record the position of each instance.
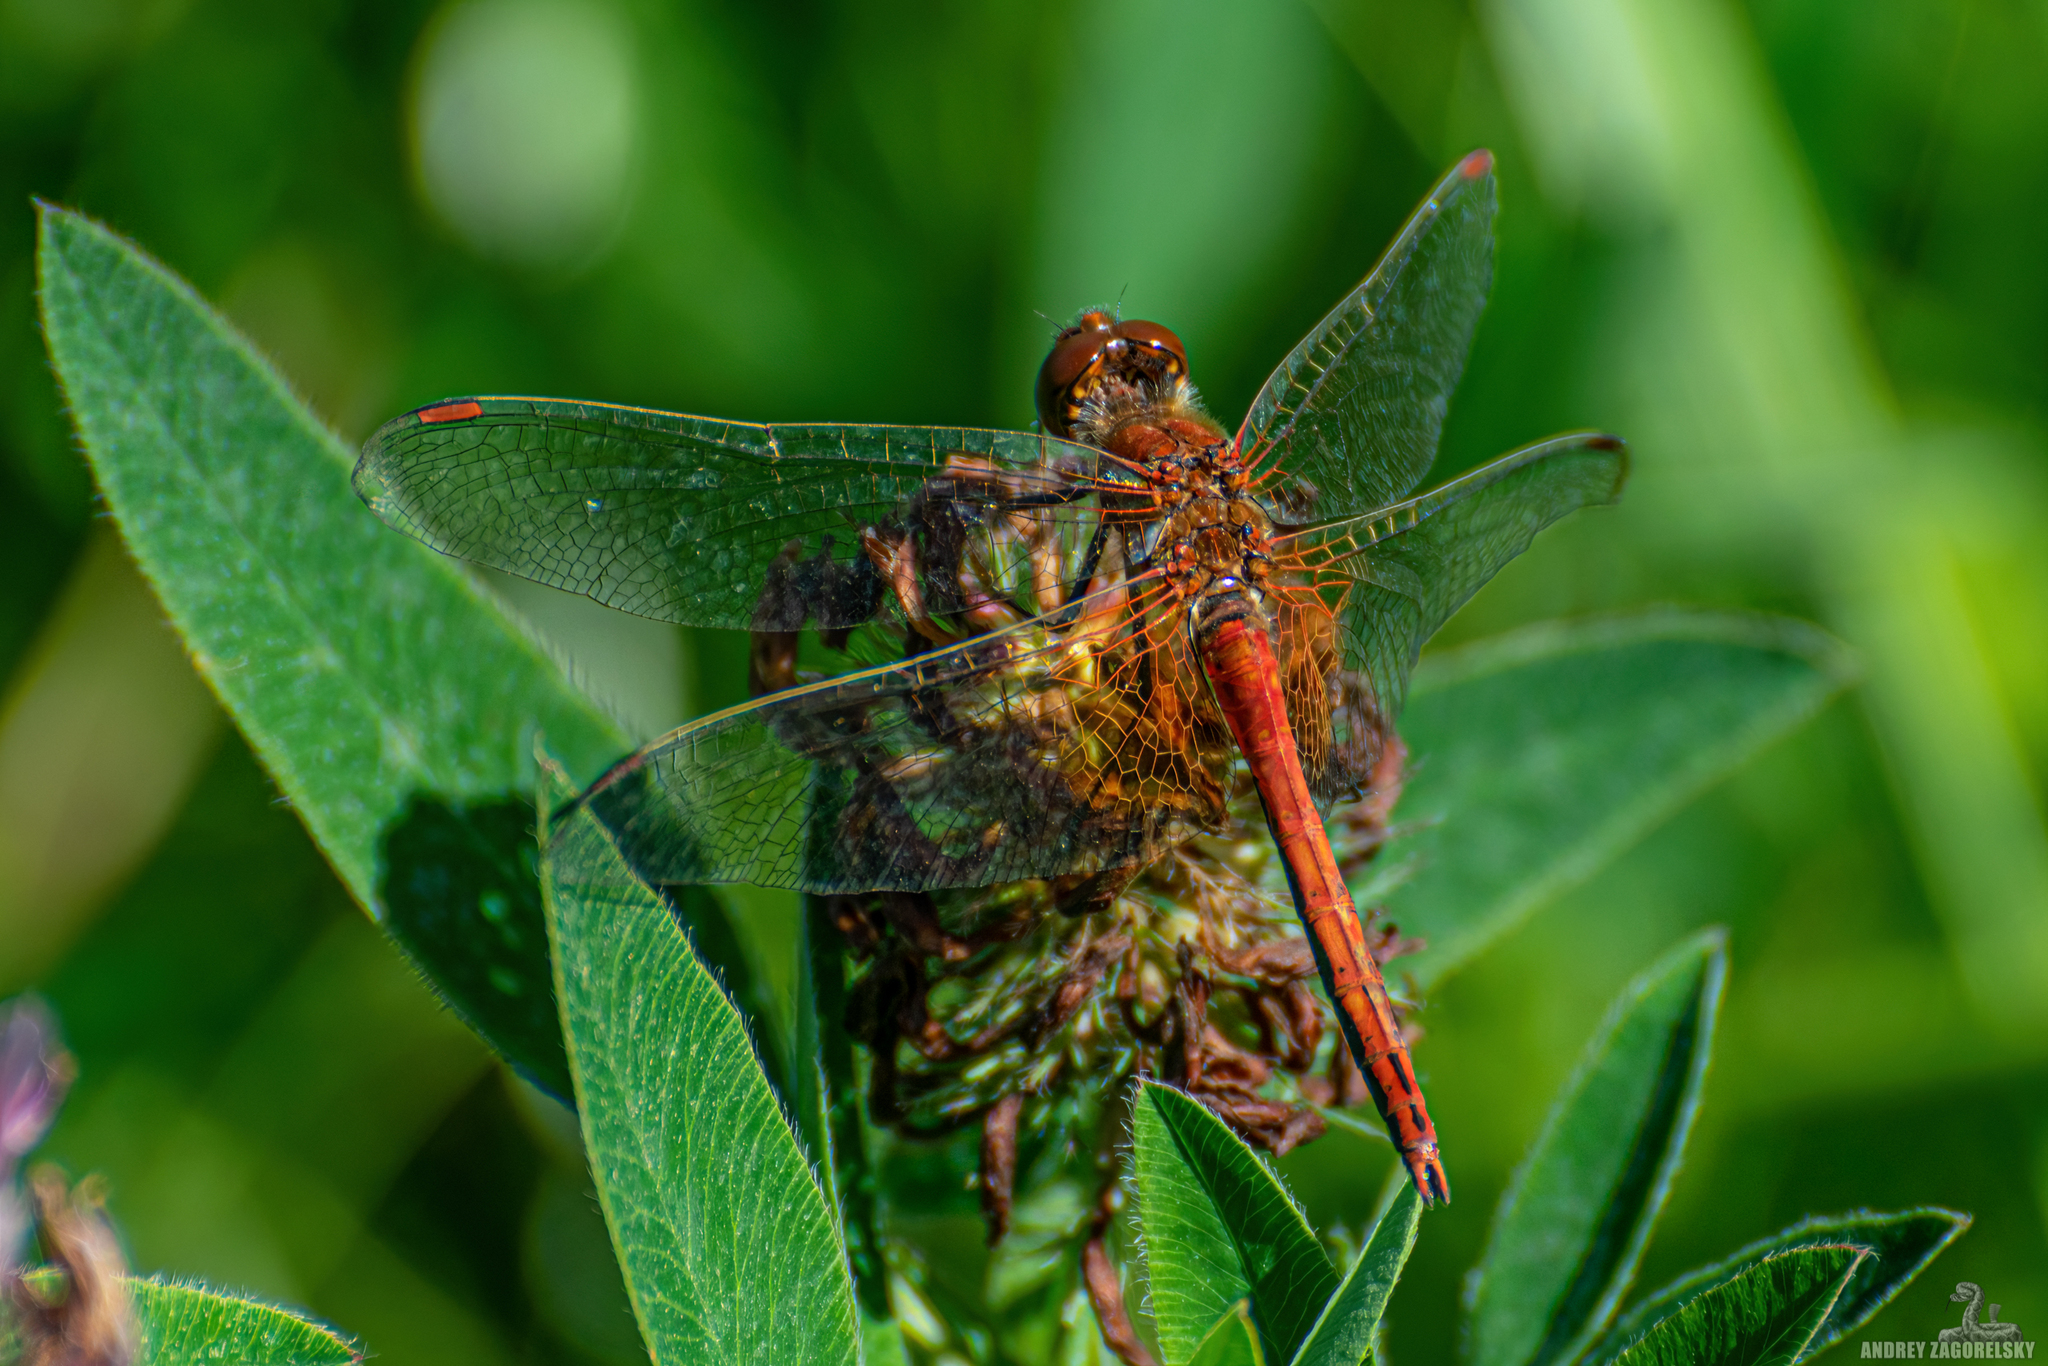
(35, 1071)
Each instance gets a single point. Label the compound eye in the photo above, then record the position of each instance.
(1159, 339)
(1073, 355)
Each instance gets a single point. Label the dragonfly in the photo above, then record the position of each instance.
(992, 656)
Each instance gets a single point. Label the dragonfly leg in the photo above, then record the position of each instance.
(1082, 895)
(897, 562)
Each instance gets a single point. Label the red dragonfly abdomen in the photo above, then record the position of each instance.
(1241, 666)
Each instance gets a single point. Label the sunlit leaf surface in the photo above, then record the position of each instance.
(1767, 1316)
(1344, 1335)
(1234, 1341)
(729, 1248)
(1578, 1214)
(189, 1325)
(1219, 1227)
(394, 704)
(1901, 1245)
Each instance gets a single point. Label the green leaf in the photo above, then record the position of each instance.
(1769, 1315)
(729, 1248)
(1219, 1227)
(1540, 755)
(819, 1091)
(392, 701)
(460, 894)
(177, 1324)
(1232, 1342)
(1344, 1335)
(1577, 1215)
(810, 1088)
(1901, 1245)
(825, 1100)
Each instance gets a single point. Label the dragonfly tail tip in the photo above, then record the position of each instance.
(1427, 1171)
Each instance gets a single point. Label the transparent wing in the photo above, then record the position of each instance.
(679, 517)
(1044, 749)
(1083, 739)
(1374, 588)
(1351, 418)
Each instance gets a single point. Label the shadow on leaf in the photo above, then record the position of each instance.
(460, 887)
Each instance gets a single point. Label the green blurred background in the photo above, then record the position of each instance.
(1793, 249)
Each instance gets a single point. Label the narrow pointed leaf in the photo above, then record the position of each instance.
(1219, 1227)
(1575, 1219)
(1769, 1315)
(1902, 1245)
(392, 701)
(729, 1248)
(1344, 1335)
(1234, 1341)
(826, 1106)
(1540, 755)
(810, 1090)
(189, 1325)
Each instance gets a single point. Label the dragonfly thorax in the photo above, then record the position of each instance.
(1212, 548)
(1209, 537)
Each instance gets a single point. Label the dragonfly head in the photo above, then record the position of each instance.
(1105, 360)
